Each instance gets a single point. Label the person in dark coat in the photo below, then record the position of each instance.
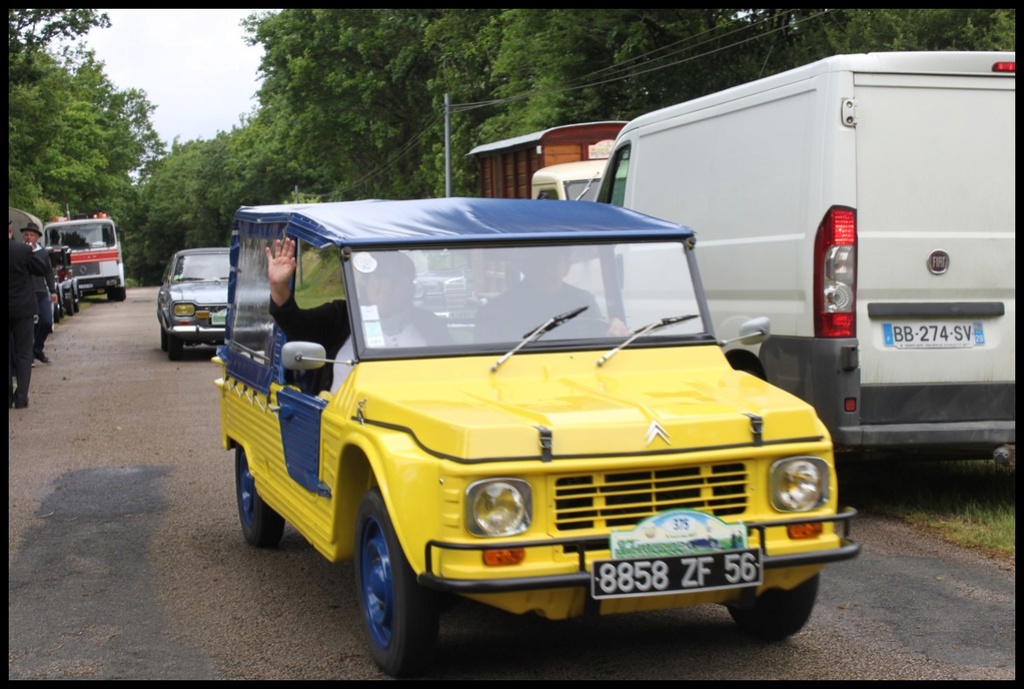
(541, 294)
(46, 293)
(389, 288)
(22, 308)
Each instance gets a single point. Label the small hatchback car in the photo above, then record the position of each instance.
(192, 305)
(528, 408)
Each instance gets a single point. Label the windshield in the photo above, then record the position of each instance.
(490, 299)
(202, 267)
(582, 189)
(93, 235)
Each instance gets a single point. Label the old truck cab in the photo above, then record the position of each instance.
(545, 422)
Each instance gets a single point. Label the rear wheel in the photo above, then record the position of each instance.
(261, 525)
(400, 616)
(778, 614)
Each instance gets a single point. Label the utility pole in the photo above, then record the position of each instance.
(447, 147)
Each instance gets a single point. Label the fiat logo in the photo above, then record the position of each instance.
(938, 262)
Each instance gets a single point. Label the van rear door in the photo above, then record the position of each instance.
(935, 227)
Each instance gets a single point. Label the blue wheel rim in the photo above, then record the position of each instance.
(378, 585)
(246, 492)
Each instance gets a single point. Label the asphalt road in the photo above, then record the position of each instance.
(126, 561)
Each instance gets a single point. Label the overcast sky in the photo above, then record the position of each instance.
(193, 65)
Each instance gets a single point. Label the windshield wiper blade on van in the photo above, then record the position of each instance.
(549, 324)
(640, 332)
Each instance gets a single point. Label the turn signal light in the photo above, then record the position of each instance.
(504, 557)
(806, 530)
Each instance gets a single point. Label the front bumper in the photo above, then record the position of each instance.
(199, 333)
(581, 578)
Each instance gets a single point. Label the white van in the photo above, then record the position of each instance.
(577, 181)
(866, 203)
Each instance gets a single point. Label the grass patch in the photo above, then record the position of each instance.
(321, 277)
(969, 503)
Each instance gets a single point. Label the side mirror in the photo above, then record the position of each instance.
(303, 356)
(752, 332)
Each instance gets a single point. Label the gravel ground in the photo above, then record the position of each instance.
(126, 561)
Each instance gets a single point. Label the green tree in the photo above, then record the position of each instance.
(30, 32)
(75, 142)
(352, 82)
(353, 102)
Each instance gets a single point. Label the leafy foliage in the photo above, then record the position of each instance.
(362, 103)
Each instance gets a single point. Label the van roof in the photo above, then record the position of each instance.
(950, 62)
(580, 169)
(536, 137)
(450, 220)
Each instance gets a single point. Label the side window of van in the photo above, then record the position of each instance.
(616, 182)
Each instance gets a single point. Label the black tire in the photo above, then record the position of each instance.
(778, 614)
(116, 294)
(261, 525)
(69, 304)
(175, 347)
(163, 339)
(76, 300)
(401, 618)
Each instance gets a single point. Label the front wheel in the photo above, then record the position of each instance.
(401, 617)
(163, 339)
(175, 348)
(776, 613)
(261, 525)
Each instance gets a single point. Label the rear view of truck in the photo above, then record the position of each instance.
(866, 203)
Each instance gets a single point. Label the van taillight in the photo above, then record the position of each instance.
(1005, 67)
(835, 274)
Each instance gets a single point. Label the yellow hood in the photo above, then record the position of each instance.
(678, 399)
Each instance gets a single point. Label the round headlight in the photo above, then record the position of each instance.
(498, 507)
(799, 483)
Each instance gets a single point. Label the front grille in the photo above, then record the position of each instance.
(86, 269)
(621, 499)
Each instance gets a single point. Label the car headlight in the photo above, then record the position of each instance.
(799, 483)
(184, 310)
(499, 507)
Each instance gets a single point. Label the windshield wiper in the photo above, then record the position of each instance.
(586, 188)
(549, 324)
(671, 320)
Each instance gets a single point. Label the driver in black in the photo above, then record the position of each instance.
(542, 293)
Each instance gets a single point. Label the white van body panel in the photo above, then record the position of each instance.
(922, 146)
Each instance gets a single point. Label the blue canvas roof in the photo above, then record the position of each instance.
(448, 220)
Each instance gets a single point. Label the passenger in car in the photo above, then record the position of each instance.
(387, 302)
(390, 318)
